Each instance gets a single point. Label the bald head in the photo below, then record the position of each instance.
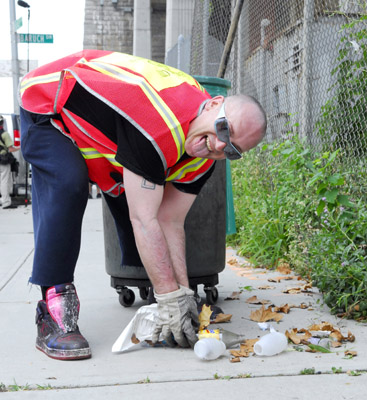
(247, 107)
(246, 121)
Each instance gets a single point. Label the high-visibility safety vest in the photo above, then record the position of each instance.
(160, 101)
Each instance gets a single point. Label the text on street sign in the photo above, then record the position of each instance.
(35, 38)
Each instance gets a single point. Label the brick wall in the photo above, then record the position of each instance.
(110, 27)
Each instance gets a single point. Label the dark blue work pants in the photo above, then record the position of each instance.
(59, 198)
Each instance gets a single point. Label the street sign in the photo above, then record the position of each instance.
(18, 23)
(35, 38)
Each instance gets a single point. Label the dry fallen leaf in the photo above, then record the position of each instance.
(350, 337)
(245, 348)
(294, 290)
(235, 360)
(239, 353)
(233, 261)
(284, 269)
(297, 289)
(134, 339)
(324, 329)
(324, 326)
(285, 308)
(222, 318)
(350, 353)
(302, 306)
(255, 300)
(337, 336)
(248, 345)
(298, 336)
(204, 316)
(281, 278)
(234, 296)
(263, 315)
(265, 287)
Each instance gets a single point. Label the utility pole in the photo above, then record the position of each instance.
(142, 46)
(14, 56)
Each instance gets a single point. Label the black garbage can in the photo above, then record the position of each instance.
(205, 229)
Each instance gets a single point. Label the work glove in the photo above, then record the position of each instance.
(178, 318)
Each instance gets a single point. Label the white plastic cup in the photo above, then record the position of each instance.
(209, 348)
(271, 344)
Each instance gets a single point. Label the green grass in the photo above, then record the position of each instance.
(20, 388)
(310, 211)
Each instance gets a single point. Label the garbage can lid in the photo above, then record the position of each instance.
(212, 80)
(214, 86)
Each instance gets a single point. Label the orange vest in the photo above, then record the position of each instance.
(160, 101)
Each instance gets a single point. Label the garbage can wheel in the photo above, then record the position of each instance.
(211, 295)
(126, 297)
(144, 292)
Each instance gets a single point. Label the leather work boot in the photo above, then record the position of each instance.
(56, 318)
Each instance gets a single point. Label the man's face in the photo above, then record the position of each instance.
(221, 131)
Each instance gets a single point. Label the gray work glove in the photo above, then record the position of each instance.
(178, 317)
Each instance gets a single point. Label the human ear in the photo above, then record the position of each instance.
(214, 102)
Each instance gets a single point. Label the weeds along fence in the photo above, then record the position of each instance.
(302, 197)
(305, 61)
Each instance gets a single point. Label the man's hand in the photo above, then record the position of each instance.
(178, 317)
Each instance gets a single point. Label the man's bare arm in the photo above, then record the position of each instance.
(171, 216)
(144, 199)
(158, 214)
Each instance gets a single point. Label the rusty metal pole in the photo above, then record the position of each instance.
(230, 38)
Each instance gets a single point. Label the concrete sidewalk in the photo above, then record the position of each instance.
(160, 373)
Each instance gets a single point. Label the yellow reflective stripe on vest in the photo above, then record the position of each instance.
(90, 153)
(164, 111)
(191, 166)
(161, 76)
(37, 80)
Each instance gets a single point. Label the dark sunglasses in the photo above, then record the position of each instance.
(223, 133)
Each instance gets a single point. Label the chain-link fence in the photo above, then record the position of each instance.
(305, 61)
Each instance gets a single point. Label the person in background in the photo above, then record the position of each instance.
(148, 135)
(6, 147)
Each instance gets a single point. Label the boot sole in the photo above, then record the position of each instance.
(56, 354)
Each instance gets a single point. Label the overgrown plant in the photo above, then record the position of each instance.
(310, 210)
(295, 206)
(269, 209)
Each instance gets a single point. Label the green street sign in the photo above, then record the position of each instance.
(18, 23)
(35, 38)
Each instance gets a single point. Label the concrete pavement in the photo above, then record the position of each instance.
(160, 373)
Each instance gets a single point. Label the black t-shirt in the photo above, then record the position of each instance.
(134, 150)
